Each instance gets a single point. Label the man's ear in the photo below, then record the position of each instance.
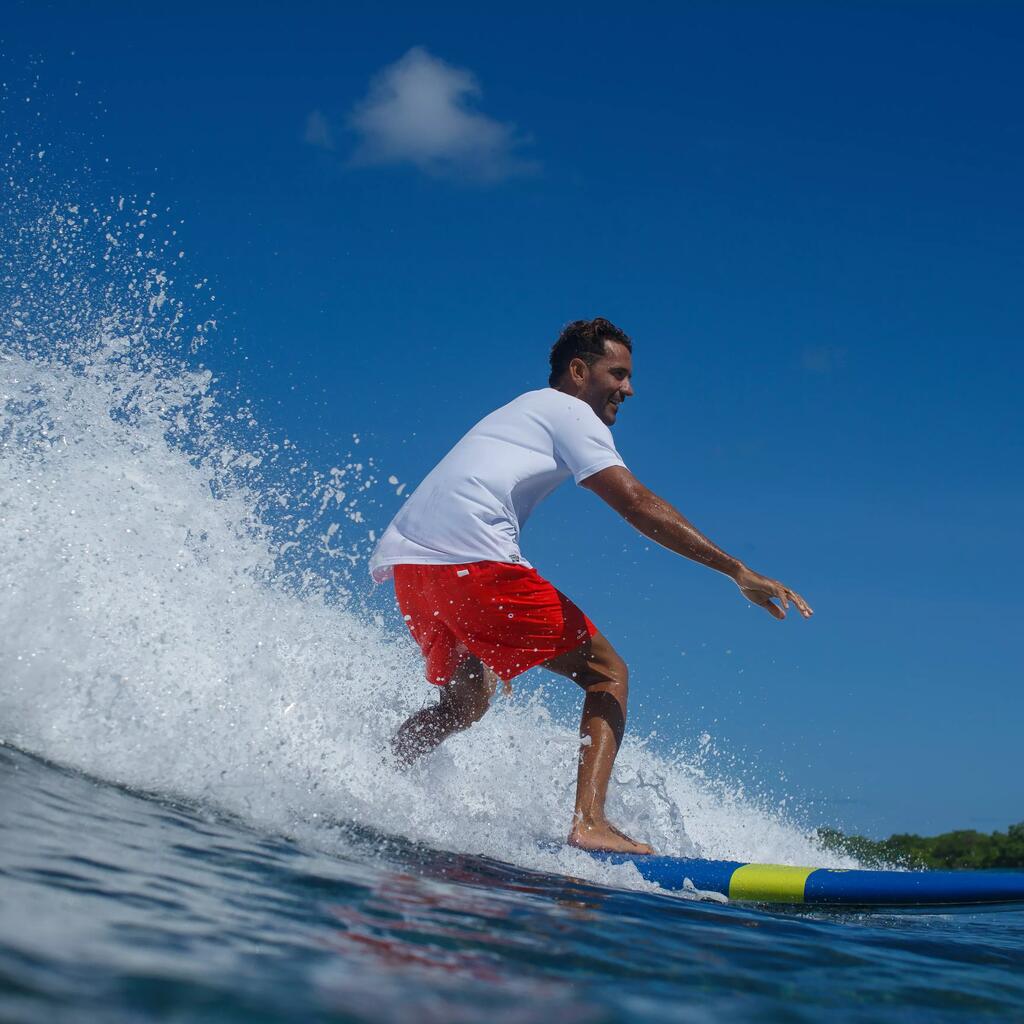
(578, 369)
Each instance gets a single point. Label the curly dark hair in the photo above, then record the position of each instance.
(584, 339)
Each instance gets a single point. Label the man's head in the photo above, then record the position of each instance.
(593, 360)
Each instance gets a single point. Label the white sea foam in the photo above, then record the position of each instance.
(175, 607)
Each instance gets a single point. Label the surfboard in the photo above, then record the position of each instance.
(780, 883)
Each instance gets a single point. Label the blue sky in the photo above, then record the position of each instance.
(809, 217)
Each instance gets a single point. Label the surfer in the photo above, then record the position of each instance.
(480, 612)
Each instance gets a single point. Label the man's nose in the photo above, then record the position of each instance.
(627, 388)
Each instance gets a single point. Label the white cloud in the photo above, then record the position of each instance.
(318, 131)
(419, 110)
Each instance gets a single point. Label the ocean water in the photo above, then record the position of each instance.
(122, 906)
(198, 816)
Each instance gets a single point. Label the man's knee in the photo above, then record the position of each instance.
(594, 666)
(616, 675)
(468, 696)
(607, 673)
(474, 704)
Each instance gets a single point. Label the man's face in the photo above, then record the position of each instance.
(607, 384)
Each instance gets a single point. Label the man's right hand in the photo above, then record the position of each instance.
(761, 590)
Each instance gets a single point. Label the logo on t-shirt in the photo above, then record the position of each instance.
(514, 558)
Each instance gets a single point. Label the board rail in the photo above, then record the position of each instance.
(782, 883)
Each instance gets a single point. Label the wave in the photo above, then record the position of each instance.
(181, 601)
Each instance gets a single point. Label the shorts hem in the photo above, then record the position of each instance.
(506, 676)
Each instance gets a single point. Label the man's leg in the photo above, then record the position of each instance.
(463, 701)
(604, 676)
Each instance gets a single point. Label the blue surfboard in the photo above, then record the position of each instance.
(779, 883)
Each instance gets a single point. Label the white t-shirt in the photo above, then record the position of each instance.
(474, 503)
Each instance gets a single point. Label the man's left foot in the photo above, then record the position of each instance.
(602, 837)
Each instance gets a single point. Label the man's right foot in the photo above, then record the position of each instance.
(604, 838)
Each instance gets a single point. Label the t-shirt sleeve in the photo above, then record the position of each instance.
(583, 442)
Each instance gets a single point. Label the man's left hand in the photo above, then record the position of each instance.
(761, 590)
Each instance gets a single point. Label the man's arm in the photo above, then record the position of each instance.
(657, 519)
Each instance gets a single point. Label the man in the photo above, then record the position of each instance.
(480, 612)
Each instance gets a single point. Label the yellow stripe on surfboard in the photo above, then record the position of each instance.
(775, 883)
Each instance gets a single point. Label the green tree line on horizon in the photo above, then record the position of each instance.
(964, 848)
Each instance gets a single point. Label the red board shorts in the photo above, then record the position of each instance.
(506, 615)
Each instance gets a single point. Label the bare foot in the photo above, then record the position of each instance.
(602, 837)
